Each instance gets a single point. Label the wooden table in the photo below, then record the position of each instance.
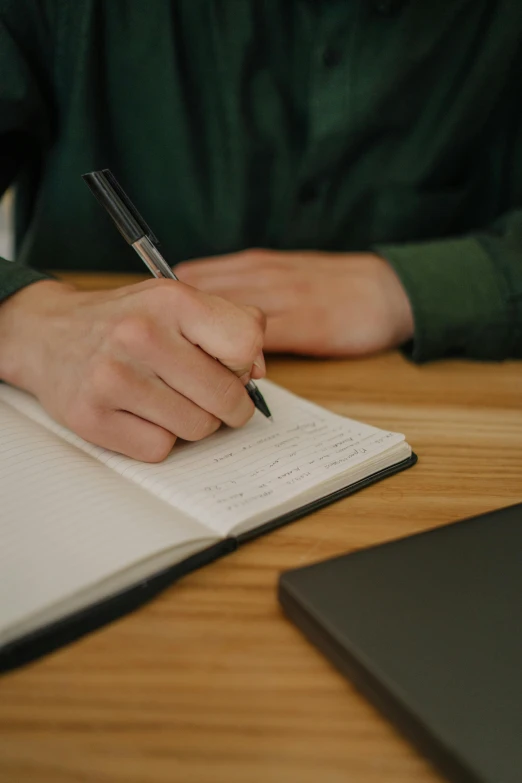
(209, 682)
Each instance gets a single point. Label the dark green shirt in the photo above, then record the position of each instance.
(342, 125)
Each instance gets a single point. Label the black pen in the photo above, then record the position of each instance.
(136, 232)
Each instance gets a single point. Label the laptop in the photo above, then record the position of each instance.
(429, 628)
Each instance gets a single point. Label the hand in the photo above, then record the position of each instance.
(323, 304)
(132, 369)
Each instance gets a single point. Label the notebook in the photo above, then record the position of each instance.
(429, 628)
(87, 534)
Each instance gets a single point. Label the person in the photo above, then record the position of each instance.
(354, 170)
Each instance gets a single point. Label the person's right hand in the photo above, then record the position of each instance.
(131, 369)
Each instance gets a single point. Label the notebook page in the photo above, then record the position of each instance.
(67, 525)
(235, 474)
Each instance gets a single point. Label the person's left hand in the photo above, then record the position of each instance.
(322, 304)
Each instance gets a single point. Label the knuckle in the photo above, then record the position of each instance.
(155, 288)
(160, 296)
(200, 426)
(228, 395)
(166, 301)
(104, 380)
(133, 332)
(250, 342)
(157, 448)
(181, 299)
(257, 253)
(84, 419)
(259, 317)
(188, 296)
(174, 295)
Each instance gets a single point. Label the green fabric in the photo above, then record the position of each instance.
(448, 321)
(14, 277)
(334, 125)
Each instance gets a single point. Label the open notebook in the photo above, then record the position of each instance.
(86, 534)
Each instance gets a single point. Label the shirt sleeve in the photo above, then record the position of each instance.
(465, 292)
(25, 116)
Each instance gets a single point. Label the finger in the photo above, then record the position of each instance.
(127, 434)
(231, 334)
(213, 280)
(231, 262)
(269, 300)
(257, 314)
(188, 370)
(252, 273)
(286, 334)
(149, 397)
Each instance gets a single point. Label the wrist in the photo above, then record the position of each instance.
(26, 320)
(396, 303)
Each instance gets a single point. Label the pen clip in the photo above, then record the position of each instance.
(113, 182)
(105, 187)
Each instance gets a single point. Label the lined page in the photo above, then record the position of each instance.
(237, 474)
(72, 531)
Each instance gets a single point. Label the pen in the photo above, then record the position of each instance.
(136, 232)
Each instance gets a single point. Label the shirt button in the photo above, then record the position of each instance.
(331, 57)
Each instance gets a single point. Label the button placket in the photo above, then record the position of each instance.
(333, 35)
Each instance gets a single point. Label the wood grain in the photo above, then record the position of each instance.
(209, 682)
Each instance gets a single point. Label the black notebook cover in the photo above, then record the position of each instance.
(429, 628)
(70, 628)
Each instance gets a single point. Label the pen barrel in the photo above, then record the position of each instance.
(153, 259)
(124, 219)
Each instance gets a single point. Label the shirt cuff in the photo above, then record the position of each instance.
(15, 276)
(458, 297)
